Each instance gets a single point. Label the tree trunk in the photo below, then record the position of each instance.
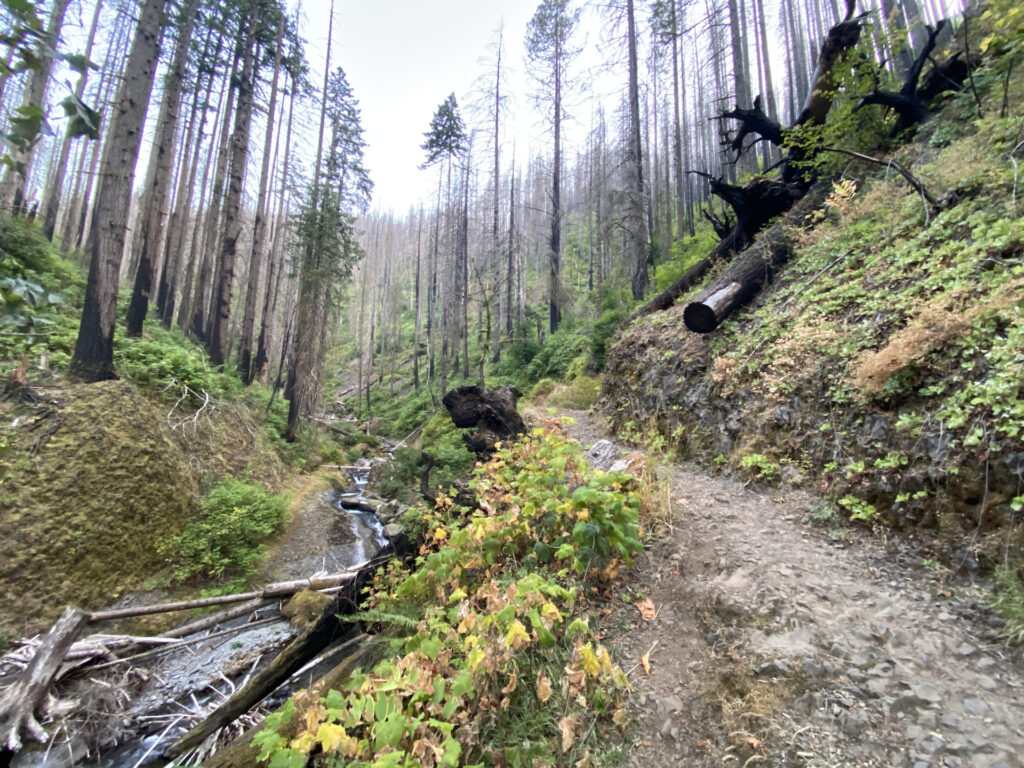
(745, 277)
(232, 225)
(636, 240)
(93, 358)
(158, 175)
(206, 238)
(52, 197)
(245, 362)
(270, 307)
(13, 189)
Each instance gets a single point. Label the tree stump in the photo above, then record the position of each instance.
(492, 412)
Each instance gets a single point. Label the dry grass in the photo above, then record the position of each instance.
(942, 321)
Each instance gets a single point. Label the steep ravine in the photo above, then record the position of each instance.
(777, 644)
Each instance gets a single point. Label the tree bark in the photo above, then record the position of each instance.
(245, 361)
(158, 175)
(52, 197)
(93, 358)
(232, 225)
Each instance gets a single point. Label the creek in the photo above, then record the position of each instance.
(147, 705)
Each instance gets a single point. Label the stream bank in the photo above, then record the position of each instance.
(148, 703)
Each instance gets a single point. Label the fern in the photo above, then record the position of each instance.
(379, 616)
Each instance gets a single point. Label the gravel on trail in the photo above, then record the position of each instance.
(779, 643)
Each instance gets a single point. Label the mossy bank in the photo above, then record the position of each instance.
(96, 481)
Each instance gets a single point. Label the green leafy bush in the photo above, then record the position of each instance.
(490, 630)
(579, 394)
(226, 540)
(1008, 599)
(542, 388)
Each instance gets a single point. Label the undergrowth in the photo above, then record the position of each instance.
(492, 658)
(226, 540)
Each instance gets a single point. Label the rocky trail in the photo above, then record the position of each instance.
(776, 643)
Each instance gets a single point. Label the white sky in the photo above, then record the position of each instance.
(403, 58)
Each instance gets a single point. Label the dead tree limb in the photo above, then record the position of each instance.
(752, 121)
(908, 102)
(360, 651)
(327, 629)
(20, 703)
(280, 589)
(911, 179)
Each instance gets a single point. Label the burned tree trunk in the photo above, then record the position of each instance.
(745, 277)
(911, 102)
(764, 199)
(492, 412)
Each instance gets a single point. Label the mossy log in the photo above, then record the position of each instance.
(745, 276)
(359, 651)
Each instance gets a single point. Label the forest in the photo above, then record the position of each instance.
(770, 249)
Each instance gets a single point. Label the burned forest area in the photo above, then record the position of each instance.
(636, 383)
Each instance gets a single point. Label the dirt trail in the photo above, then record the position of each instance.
(776, 645)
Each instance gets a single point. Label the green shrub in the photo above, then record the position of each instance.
(1008, 599)
(579, 394)
(542, 388)
(226, 540)
(443, 440)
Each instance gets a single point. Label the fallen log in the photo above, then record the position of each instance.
(360, 651)
(690, 278)
(19, 704)
(745, 276)
(326, 630)
(280, 589)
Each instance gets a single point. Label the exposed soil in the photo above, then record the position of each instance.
(779, 643)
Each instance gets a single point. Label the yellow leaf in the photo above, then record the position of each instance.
(591, 665)
(331, 736)
(543, 686)
(303, 743)
(517, 636)
(549, 611)
(620, 717)
(567, 725)
(312, 719)
(645, 662)
(467, 624)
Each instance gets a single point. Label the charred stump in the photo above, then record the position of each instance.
(492, 412)
(911, 102)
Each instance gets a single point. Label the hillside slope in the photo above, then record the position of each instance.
(885, 364)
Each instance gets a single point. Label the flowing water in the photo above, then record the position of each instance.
(175, 690)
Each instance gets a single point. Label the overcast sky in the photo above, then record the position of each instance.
(403, 57)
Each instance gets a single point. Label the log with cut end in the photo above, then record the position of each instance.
(748, 273)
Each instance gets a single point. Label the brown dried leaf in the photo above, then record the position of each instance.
(646, 608)
(543, 686)
(645, 662)
(567, 726)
